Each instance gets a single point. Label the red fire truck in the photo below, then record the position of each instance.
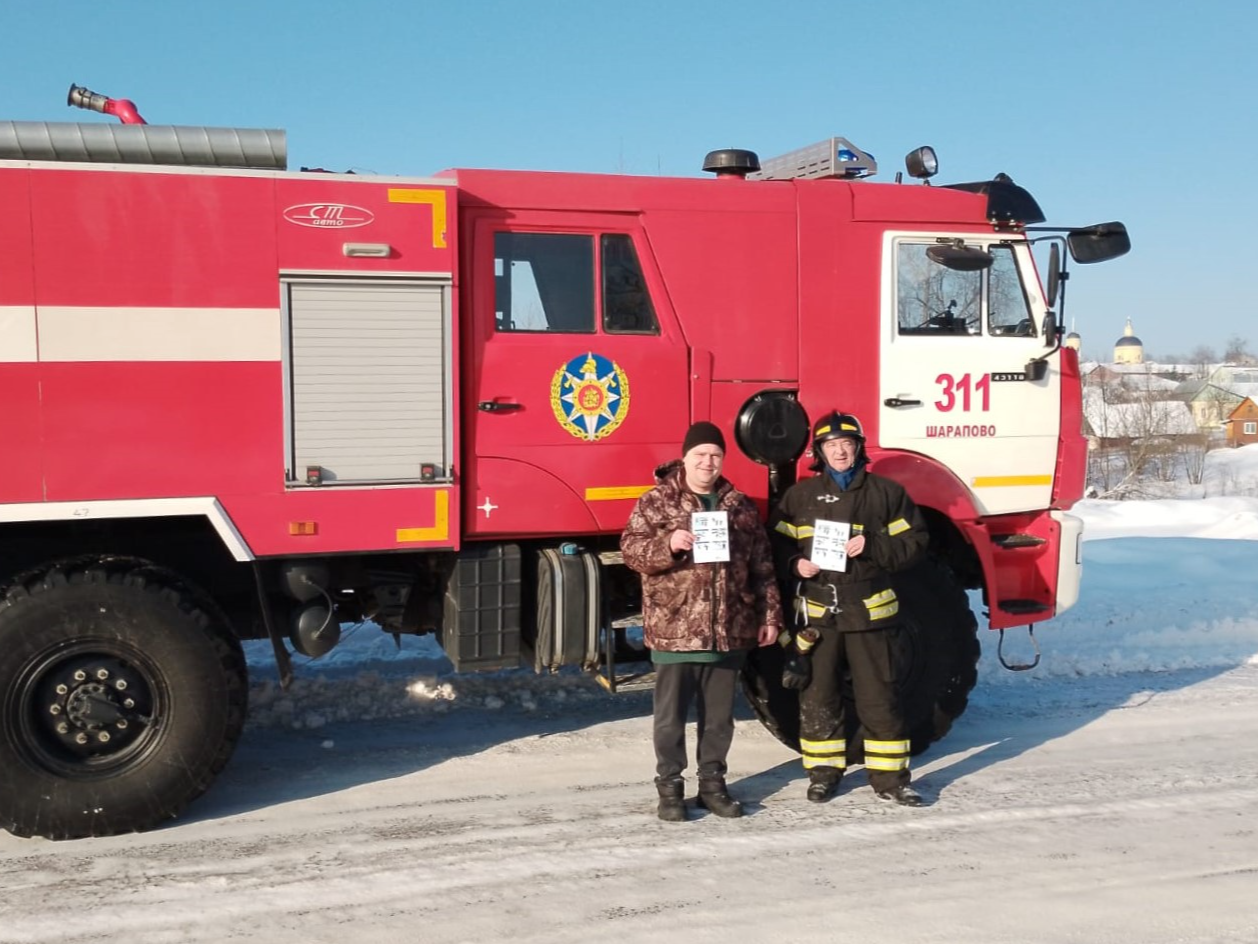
(244, 402)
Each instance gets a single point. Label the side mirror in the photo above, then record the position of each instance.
(960, 258)
(1098, 243)
(1054, 274)
(1049, 329)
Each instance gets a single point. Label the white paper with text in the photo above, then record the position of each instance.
(829, 544)
(711, 531)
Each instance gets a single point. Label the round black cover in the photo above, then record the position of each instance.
(772, 428)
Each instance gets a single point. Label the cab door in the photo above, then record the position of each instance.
(954, 383)
(578, 374)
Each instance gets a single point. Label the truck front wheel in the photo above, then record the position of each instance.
(940, 667)
(937, 665)
(120, 701)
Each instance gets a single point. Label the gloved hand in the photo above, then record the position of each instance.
(797, 672)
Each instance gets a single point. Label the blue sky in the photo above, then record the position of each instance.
(1114, 110)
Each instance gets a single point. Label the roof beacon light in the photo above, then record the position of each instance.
(834, 157)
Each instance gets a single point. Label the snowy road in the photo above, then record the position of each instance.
(1108, 809)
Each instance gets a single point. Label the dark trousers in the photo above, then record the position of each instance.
(870, 656)
(711, 687)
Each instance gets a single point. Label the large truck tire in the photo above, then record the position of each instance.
(121, 699)
(938, 665)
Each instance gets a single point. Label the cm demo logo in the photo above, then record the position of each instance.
(590, 396)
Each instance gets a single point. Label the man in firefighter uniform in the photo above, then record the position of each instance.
(847, 618)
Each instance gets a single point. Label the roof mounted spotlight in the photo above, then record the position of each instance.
(922, 163)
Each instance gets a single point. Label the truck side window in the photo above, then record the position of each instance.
(627, 306)
(1008, 311)
(933, 300)
(544, 282)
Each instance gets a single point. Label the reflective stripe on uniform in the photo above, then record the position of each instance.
(814, 610)
(882, 604)
(886, 755)
(823, 753)
(897, 526)
(798, 532)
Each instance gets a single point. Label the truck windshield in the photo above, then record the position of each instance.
(933, 300)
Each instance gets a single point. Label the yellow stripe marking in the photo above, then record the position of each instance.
(616, 492)
(822, 747)
(1011, 481)
(887, 747)
(440, 531)
(434, 198)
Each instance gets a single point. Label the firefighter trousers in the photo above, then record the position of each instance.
(870, 657)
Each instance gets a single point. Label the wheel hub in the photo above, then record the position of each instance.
(92, 706)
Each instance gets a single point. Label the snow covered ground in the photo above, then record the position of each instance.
(1108, 795)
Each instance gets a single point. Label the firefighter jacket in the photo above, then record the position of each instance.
(895, 536)
(689, 607)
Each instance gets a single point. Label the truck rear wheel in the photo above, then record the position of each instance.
(938, 668)
(120, 701)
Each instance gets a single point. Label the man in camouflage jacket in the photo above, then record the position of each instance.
(699, 619)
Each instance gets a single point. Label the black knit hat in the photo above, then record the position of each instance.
(700, 434)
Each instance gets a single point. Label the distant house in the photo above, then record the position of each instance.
(1210, 403)
(1134, 378)
(1242, 423)
(1112, 420)
(1238, 379)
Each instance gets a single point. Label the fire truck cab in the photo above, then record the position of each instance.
(246, 402)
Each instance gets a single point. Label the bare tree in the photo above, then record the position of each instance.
(1192, 454)
(1237, 351)
(1139, 434)
(1203, 360)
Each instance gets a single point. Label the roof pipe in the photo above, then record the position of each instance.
(121, 108)
(256, 148)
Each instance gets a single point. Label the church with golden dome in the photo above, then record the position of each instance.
(1128, 349)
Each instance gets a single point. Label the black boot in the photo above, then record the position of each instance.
(822, 786)
(902, 794)
(715, 797)
(672, 808)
